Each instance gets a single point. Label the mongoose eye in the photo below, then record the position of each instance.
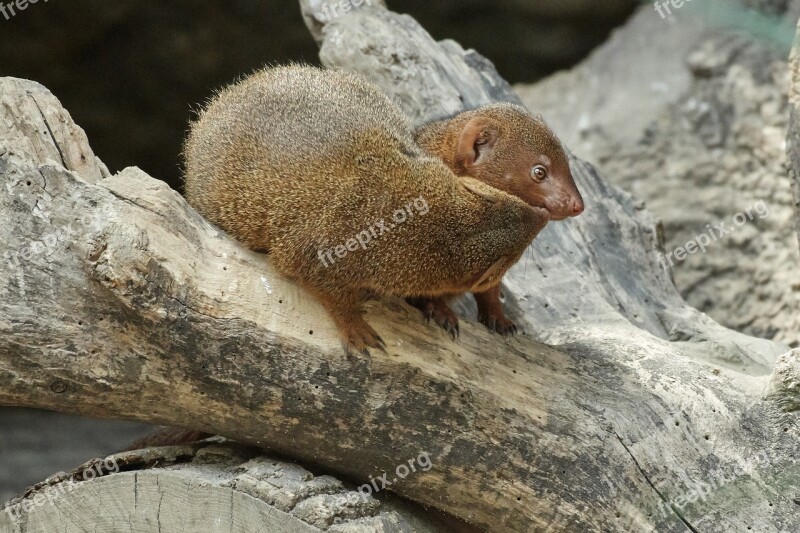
(538, 172)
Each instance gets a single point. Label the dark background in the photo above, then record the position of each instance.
(129, 72)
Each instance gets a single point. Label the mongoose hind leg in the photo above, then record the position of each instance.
(438, 310)
(490, 312)
(345, 309)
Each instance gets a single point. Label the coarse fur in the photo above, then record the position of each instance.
(296, 160)
(501, 145)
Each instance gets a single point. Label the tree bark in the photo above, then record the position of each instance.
(118, 300)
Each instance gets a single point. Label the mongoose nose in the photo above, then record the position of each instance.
(577, 207)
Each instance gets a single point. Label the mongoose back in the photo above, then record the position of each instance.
(504, 146)
(297, 161)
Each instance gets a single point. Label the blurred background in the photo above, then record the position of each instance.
(688, 114)
(139, 67)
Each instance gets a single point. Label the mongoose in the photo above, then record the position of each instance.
(506, 147)
(297, 161)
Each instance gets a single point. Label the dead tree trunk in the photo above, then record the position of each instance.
(118, 300)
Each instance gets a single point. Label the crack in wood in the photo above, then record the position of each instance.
(658, 492)
(50, 132)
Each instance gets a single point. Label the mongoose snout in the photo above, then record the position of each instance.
(319, 169)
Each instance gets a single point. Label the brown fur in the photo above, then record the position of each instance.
(292, 160)
(500, 144)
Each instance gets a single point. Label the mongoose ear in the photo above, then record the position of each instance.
(475, 143)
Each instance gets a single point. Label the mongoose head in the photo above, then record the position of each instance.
(506, 147)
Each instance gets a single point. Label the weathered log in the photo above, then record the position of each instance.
(118, 300)
(210, 487)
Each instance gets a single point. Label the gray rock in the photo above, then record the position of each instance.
(701, 140)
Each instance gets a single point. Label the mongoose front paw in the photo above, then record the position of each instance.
(446, 319)
(498, 323)
(438, 310)
(358, 337)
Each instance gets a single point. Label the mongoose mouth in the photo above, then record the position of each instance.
(564, 208)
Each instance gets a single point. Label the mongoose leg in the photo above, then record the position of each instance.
(490, 312)
(345, 309)
(438, 310)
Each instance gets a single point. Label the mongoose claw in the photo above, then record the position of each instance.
(438, 310)
(441, 313)
(499, 324)
(451, 328)
(360, 337)
(381, 344)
